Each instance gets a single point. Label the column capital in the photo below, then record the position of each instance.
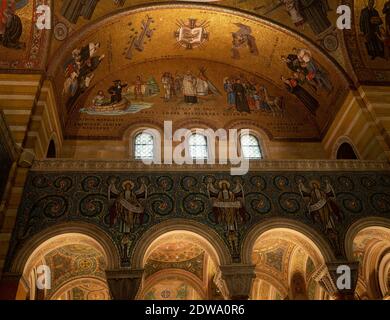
(124, 283)
(339, 279)
(26, 158)
(236, 280)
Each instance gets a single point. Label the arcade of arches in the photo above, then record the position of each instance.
(92, 205)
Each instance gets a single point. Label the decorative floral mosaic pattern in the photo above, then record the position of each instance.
(126, 205)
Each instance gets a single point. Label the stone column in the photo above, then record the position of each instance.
(124, 283)
(235, 281)
(338, 279)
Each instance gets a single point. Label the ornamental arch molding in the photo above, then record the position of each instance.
(166, 274)
(340, 141)
(107, 246)
(218, 250)
(358, 226)
(256, 231)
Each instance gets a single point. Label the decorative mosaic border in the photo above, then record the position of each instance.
(59, 198)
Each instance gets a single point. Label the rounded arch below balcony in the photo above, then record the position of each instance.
(199, 234)
(286, 255)
(359, 227)
(86, 288)
(368, 242)
(63, 234)
(302, 233)
(173, 284)
(68, 262)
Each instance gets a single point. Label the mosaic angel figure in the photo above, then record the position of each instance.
(322, 206)
(228, 208)
(127, 209)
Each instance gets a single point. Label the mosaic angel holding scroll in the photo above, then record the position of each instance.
(127, 209)
(322, 206)
(228, 204)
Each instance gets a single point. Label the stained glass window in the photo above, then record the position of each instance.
(144, 147)
(251, 147)
(198, 147)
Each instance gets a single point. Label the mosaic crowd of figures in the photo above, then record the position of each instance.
(126, 205)
(307, 79)
(376, 30)
(11, 26)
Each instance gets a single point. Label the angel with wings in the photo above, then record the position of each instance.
(127, 208)
(243, 38)
(228, 204)
(312, 12)
(322, 206)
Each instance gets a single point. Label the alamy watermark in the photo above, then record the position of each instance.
(229, 151)
(344, 280)
(43, 17)
(43, 277)
(344, 21)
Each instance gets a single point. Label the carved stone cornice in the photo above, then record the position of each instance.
(262, 165)
(124, 283)
(237, 281)
(327, 276)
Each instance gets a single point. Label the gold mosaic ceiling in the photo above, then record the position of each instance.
(116, 31)
(149, 42)
(282, 12)
(328, 37)
(176, 248)
(248, 42)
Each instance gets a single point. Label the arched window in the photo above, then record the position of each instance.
(51, 151)
(198, 147)
(144, 146)
(250, 147)
(346, 152)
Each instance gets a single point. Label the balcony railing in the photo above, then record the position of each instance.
(260, 165)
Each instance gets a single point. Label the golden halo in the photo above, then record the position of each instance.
(124, 183)
(222, 182)
(315, 181)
